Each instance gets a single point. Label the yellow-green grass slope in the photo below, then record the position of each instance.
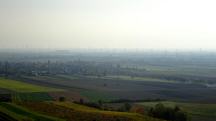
(19, 113)
(18, 86)
(94, 111)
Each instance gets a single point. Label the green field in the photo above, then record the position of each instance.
(22, 114)
(32, 96)
(23, 87)
(141, 79)
(122, 77)
(177, 69)
(199, 111)
(94, 96)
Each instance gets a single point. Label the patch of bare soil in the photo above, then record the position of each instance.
(69, 96)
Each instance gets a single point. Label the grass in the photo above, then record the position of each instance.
(76, 106)
(67, 77)
(12, 114)
(21, 114)
(75, 112)
(94, 96)
(183, 70)
(129, 78)
(33, 96)
(141, 79)
(194, 109)
(127, 115)
(23, 87)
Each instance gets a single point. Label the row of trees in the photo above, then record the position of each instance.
(167, 113)
(93, 68)
(52, 68)
(101, 105)
(159, 111)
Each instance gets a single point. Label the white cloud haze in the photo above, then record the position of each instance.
(144, 24)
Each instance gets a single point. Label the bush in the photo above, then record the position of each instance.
(170, 114)
(81, 101)
(125, 108)
(62, 99)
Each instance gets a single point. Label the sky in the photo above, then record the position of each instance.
(109, 24)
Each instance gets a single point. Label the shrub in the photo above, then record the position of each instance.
(62, 99)
(170, 114)
(125, 108)
(81, 101)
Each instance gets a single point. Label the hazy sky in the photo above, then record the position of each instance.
(145, 24)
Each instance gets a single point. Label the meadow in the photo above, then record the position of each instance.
(18, 86)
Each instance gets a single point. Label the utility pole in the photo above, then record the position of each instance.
(6, 69)
(48, 66)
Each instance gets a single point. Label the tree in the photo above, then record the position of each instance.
(6, 69)
(127, 106)
(181, 116)
(62, 99)
(167, 113)
(105, 85)
(48, 66)
(159, 110)
(177, 108)
(104, 73)
(81, 101)
(100, 103)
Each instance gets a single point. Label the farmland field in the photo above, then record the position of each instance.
(108, 88)
(23, 87)
(119, 77)
(33, 96)
(49, 85)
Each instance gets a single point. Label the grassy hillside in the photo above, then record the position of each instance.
(20, 114)
(23, 87)
(81, 108)
(75, 112)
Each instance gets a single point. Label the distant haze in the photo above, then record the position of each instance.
(131, 24)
